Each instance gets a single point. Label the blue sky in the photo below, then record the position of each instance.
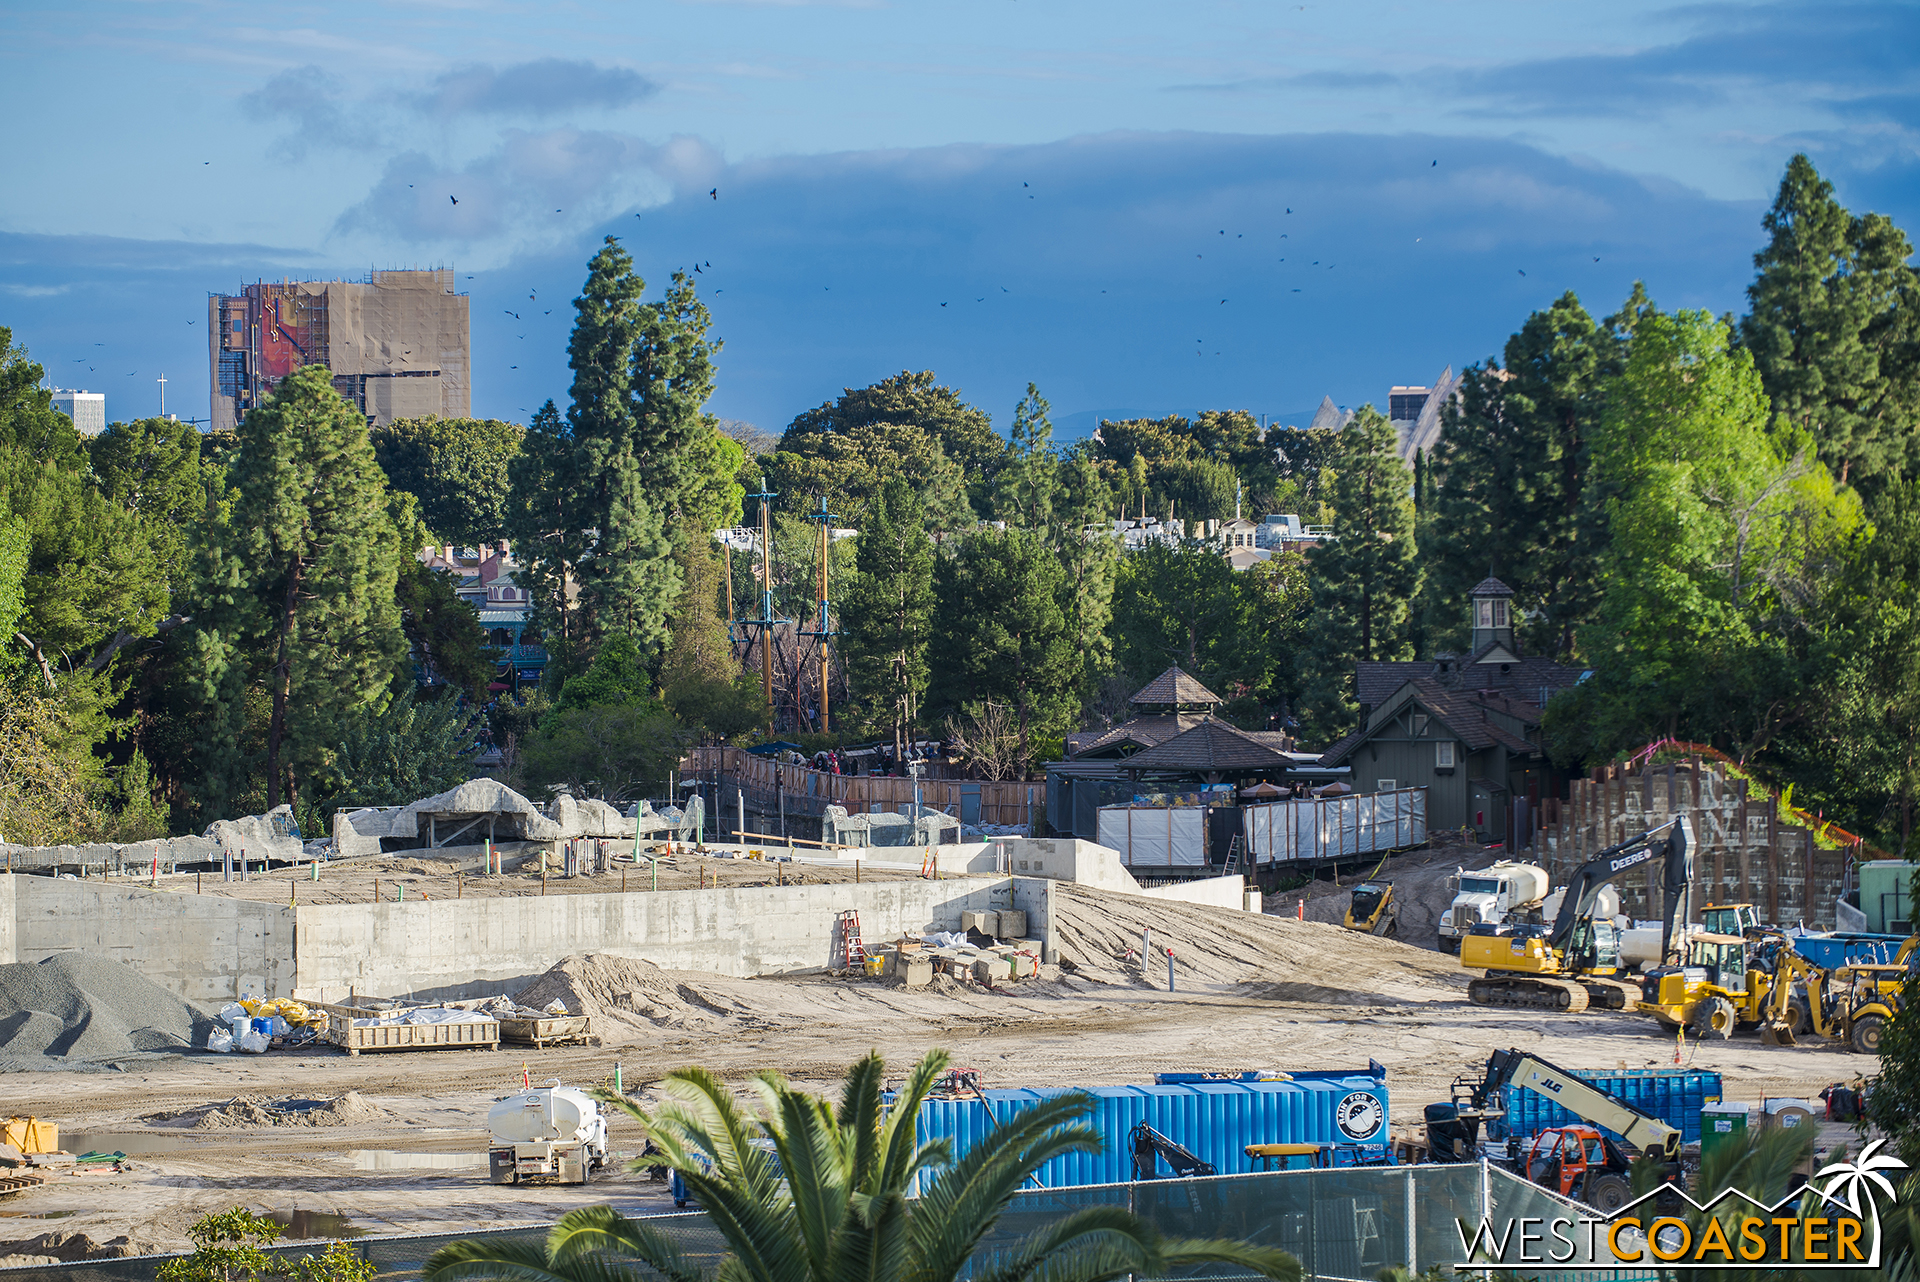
(1140, 207)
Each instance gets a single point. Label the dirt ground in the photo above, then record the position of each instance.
(1249, 992)
(456, 873)
(1420, 889)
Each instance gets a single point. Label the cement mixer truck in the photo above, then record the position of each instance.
(1506, 891)
(548, 1132)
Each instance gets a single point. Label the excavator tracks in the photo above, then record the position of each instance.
(1528, 993)
(1610, 994)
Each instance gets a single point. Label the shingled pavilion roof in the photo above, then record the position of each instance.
(1174, 688)
(1212, 746)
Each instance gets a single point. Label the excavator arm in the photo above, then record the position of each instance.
(1642, 1131)
(1671, 845)
(1149, 1146)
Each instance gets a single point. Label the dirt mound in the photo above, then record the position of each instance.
(248, 1111)
(1293, 960)
(76, 1010)
(63, 1247)
(630, 994)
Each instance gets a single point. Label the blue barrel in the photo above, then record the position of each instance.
(1213, 1119)
(1675, 1096)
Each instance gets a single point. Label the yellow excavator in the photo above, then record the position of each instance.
(1852, 1004)
(1371, 911)
(1575, 962)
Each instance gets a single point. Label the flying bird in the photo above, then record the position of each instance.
(513, 367)
(943, 304)
(1289, 210)
(1223, 302)
(1596, 259)
(1434, 165)
(559, 211)
(696, 267)
(456, 200)
(548, 312)
(715, 193)
(1523, 273)
(515, 315)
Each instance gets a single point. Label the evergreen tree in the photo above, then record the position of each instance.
(1188, 606)
(1364, 579)
(299, 586)
(598, 498)
(887, 610)
(1508, 481)
(444, 634)
(1028, 479)
(1000, 636)
(700, 678)
(457, 469)
(1089, 558)
(1834, 330)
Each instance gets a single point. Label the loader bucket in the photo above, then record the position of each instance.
(1777, 1033)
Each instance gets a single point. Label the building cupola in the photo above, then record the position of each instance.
(1493, 618)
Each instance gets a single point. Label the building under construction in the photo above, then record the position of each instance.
(398, 343)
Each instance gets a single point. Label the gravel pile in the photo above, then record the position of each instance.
(79, 1012)
(246, 1111)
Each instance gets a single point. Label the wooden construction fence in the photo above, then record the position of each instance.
(806, 791)
(1746, 852)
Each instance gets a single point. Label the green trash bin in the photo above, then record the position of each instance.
(1721, 1124)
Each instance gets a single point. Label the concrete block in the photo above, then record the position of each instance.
(916, 973)
(1013, 923)
(1024, 965)
(992, 970)
(987, 923)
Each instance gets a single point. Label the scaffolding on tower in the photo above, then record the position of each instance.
(823, 629)
(763, 626)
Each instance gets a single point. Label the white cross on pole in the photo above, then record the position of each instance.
(162, 380)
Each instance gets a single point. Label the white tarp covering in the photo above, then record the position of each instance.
(1335, 827)
(1159, 836)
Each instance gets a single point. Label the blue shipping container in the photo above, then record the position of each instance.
(1674, 1096)
(1216, 1120)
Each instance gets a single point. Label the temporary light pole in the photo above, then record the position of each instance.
(823, 628)
(162, 380)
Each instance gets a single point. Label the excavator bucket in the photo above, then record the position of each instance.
(1777, 1032)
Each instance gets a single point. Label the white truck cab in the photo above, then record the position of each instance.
(1488, 897)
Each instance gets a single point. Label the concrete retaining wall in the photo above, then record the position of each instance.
(204, 947)
(1216, 892)
(6, 920)
(446, 949)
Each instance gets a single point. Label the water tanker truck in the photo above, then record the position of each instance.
(1491, 896)
(546, 1132)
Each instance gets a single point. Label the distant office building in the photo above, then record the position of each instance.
(88, 410)
(398, 343)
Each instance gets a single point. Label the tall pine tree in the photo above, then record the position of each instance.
(1364, 579)
(1027, 480)
(596, 499)
(299, 589)
(1508, 478)
(886, 612)
(1834, 329)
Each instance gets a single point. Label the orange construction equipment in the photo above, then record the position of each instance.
(30, 1135)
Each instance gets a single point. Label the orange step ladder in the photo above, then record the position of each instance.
(852, 950)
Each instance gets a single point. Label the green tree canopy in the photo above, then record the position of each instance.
(616, 752)
(874, 415)
(1722, 537)
(299, 598)
(1028, 479)
(1834, 329)
(1364, 579)
(456, 469)
(444, 633)
(1186, 605)
(1000, 636)
(1509, 476)
(886, 612)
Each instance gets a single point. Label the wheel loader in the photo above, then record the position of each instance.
(1721, 987)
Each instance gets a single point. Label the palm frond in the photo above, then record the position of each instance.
(897, 1139)
(601, 1229)
(488, 1258)
(859, 1118)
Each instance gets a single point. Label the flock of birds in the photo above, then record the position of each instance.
(700, 268)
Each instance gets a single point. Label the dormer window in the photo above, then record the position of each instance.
(1490, 612)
